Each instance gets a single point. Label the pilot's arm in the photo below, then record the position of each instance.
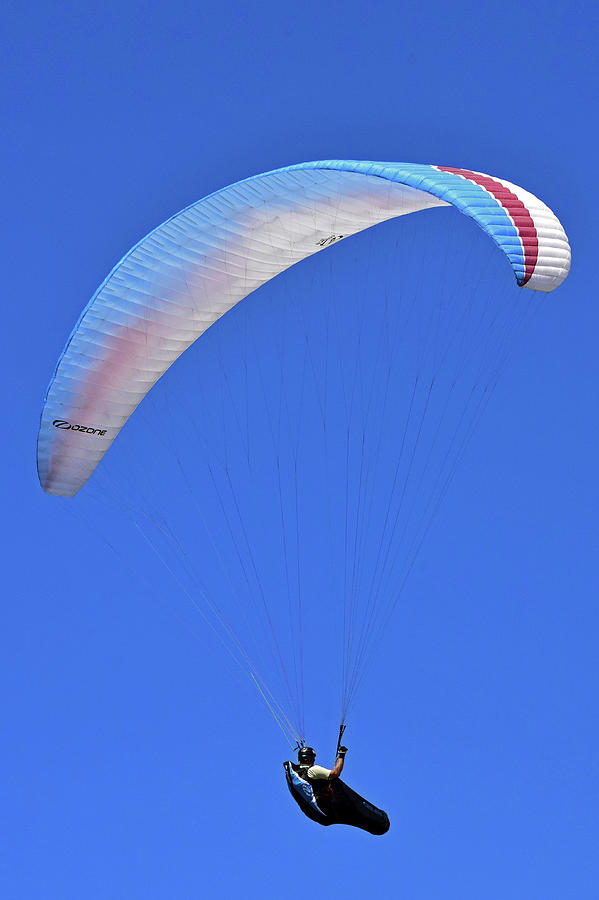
(338, 767)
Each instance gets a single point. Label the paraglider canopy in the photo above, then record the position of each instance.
(177, 281)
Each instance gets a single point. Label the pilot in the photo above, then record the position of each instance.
(318, 777)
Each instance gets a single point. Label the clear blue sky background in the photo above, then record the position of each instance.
(122, 736)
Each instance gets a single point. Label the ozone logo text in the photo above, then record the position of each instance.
(62, 423)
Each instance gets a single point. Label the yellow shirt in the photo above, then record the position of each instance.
(318, 772)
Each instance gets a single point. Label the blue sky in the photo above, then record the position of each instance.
(125, 748)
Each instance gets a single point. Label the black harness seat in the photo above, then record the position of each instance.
(333, 802)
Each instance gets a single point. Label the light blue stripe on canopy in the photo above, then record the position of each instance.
(184, 275)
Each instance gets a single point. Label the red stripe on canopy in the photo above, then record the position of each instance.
(519, 214)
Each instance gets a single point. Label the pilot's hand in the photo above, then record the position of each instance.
(342, 751)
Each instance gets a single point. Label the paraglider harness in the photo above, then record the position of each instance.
(332, 802)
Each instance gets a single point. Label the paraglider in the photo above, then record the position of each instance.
(176, 282)
(324, 798)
